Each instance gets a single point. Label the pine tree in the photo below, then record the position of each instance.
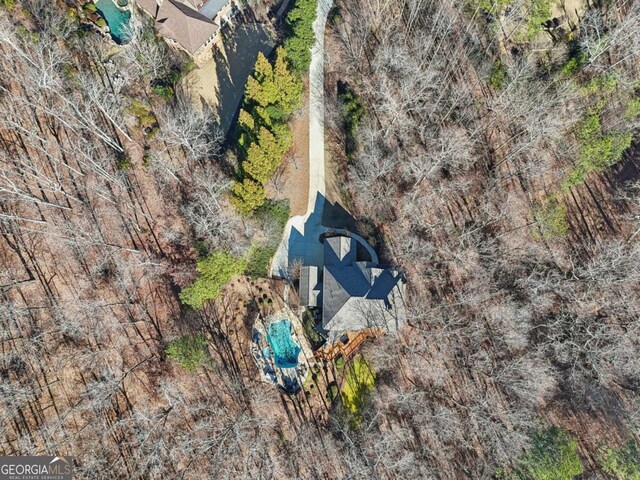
(301, 36)
(287, 84)
(214, 271)
(246, 120)
(276, 89)
(265, 155)
(248, 195)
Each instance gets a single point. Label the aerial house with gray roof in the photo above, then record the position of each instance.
(354, 295)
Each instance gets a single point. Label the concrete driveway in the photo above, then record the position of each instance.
(301, 238)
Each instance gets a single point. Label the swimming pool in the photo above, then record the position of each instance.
(117, 20)
(285, 350)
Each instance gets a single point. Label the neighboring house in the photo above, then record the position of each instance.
(192, 26)
(354, 295)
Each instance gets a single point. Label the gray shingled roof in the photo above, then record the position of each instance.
(149, 6)
(358, 295)
(339, 250)
(309, 286)
(211, 8)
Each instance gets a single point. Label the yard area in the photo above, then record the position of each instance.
(220, 82)
(358, 382)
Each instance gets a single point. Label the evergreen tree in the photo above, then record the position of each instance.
(248, 195)
(265, 155)
(214, 271)
(301, 36)
(188, 351)
(276, 89)
(246, 120)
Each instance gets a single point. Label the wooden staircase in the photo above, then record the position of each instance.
(355, 339)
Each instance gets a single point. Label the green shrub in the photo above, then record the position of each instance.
(314, 337)
(72, 15)
(551, 219)
(633, 108)
(539, 11)
(165, 87)
(163, 90)
(553, 456)
(188, 351)
(215, 271)
(275, 212)
(574, 64)
(101, 22)
(493, 6)
(90, 7)
(335, 16)
(499, 75)
(124, 164)
(598, 151)
(339, 361)
(144, 115)
(600, 84)
(27, 35)
(589, 128)
(300, 36)
(352, 112)
(623, 463)
(258, 259)
(202, 248)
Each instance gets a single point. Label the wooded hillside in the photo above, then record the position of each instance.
(498, 164)
(490, 158)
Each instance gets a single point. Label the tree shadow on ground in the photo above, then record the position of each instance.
(234, 64)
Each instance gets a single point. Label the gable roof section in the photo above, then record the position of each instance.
(309, 286)
(339, 250)
(385, 281)
(183, 24)
(334, 297)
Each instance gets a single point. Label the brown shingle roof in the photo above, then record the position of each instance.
(183, 24)
(149, 6)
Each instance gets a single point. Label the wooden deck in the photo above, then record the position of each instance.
(347, 350)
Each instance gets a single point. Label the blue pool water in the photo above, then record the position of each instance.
(117, 20)
(285, 350)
